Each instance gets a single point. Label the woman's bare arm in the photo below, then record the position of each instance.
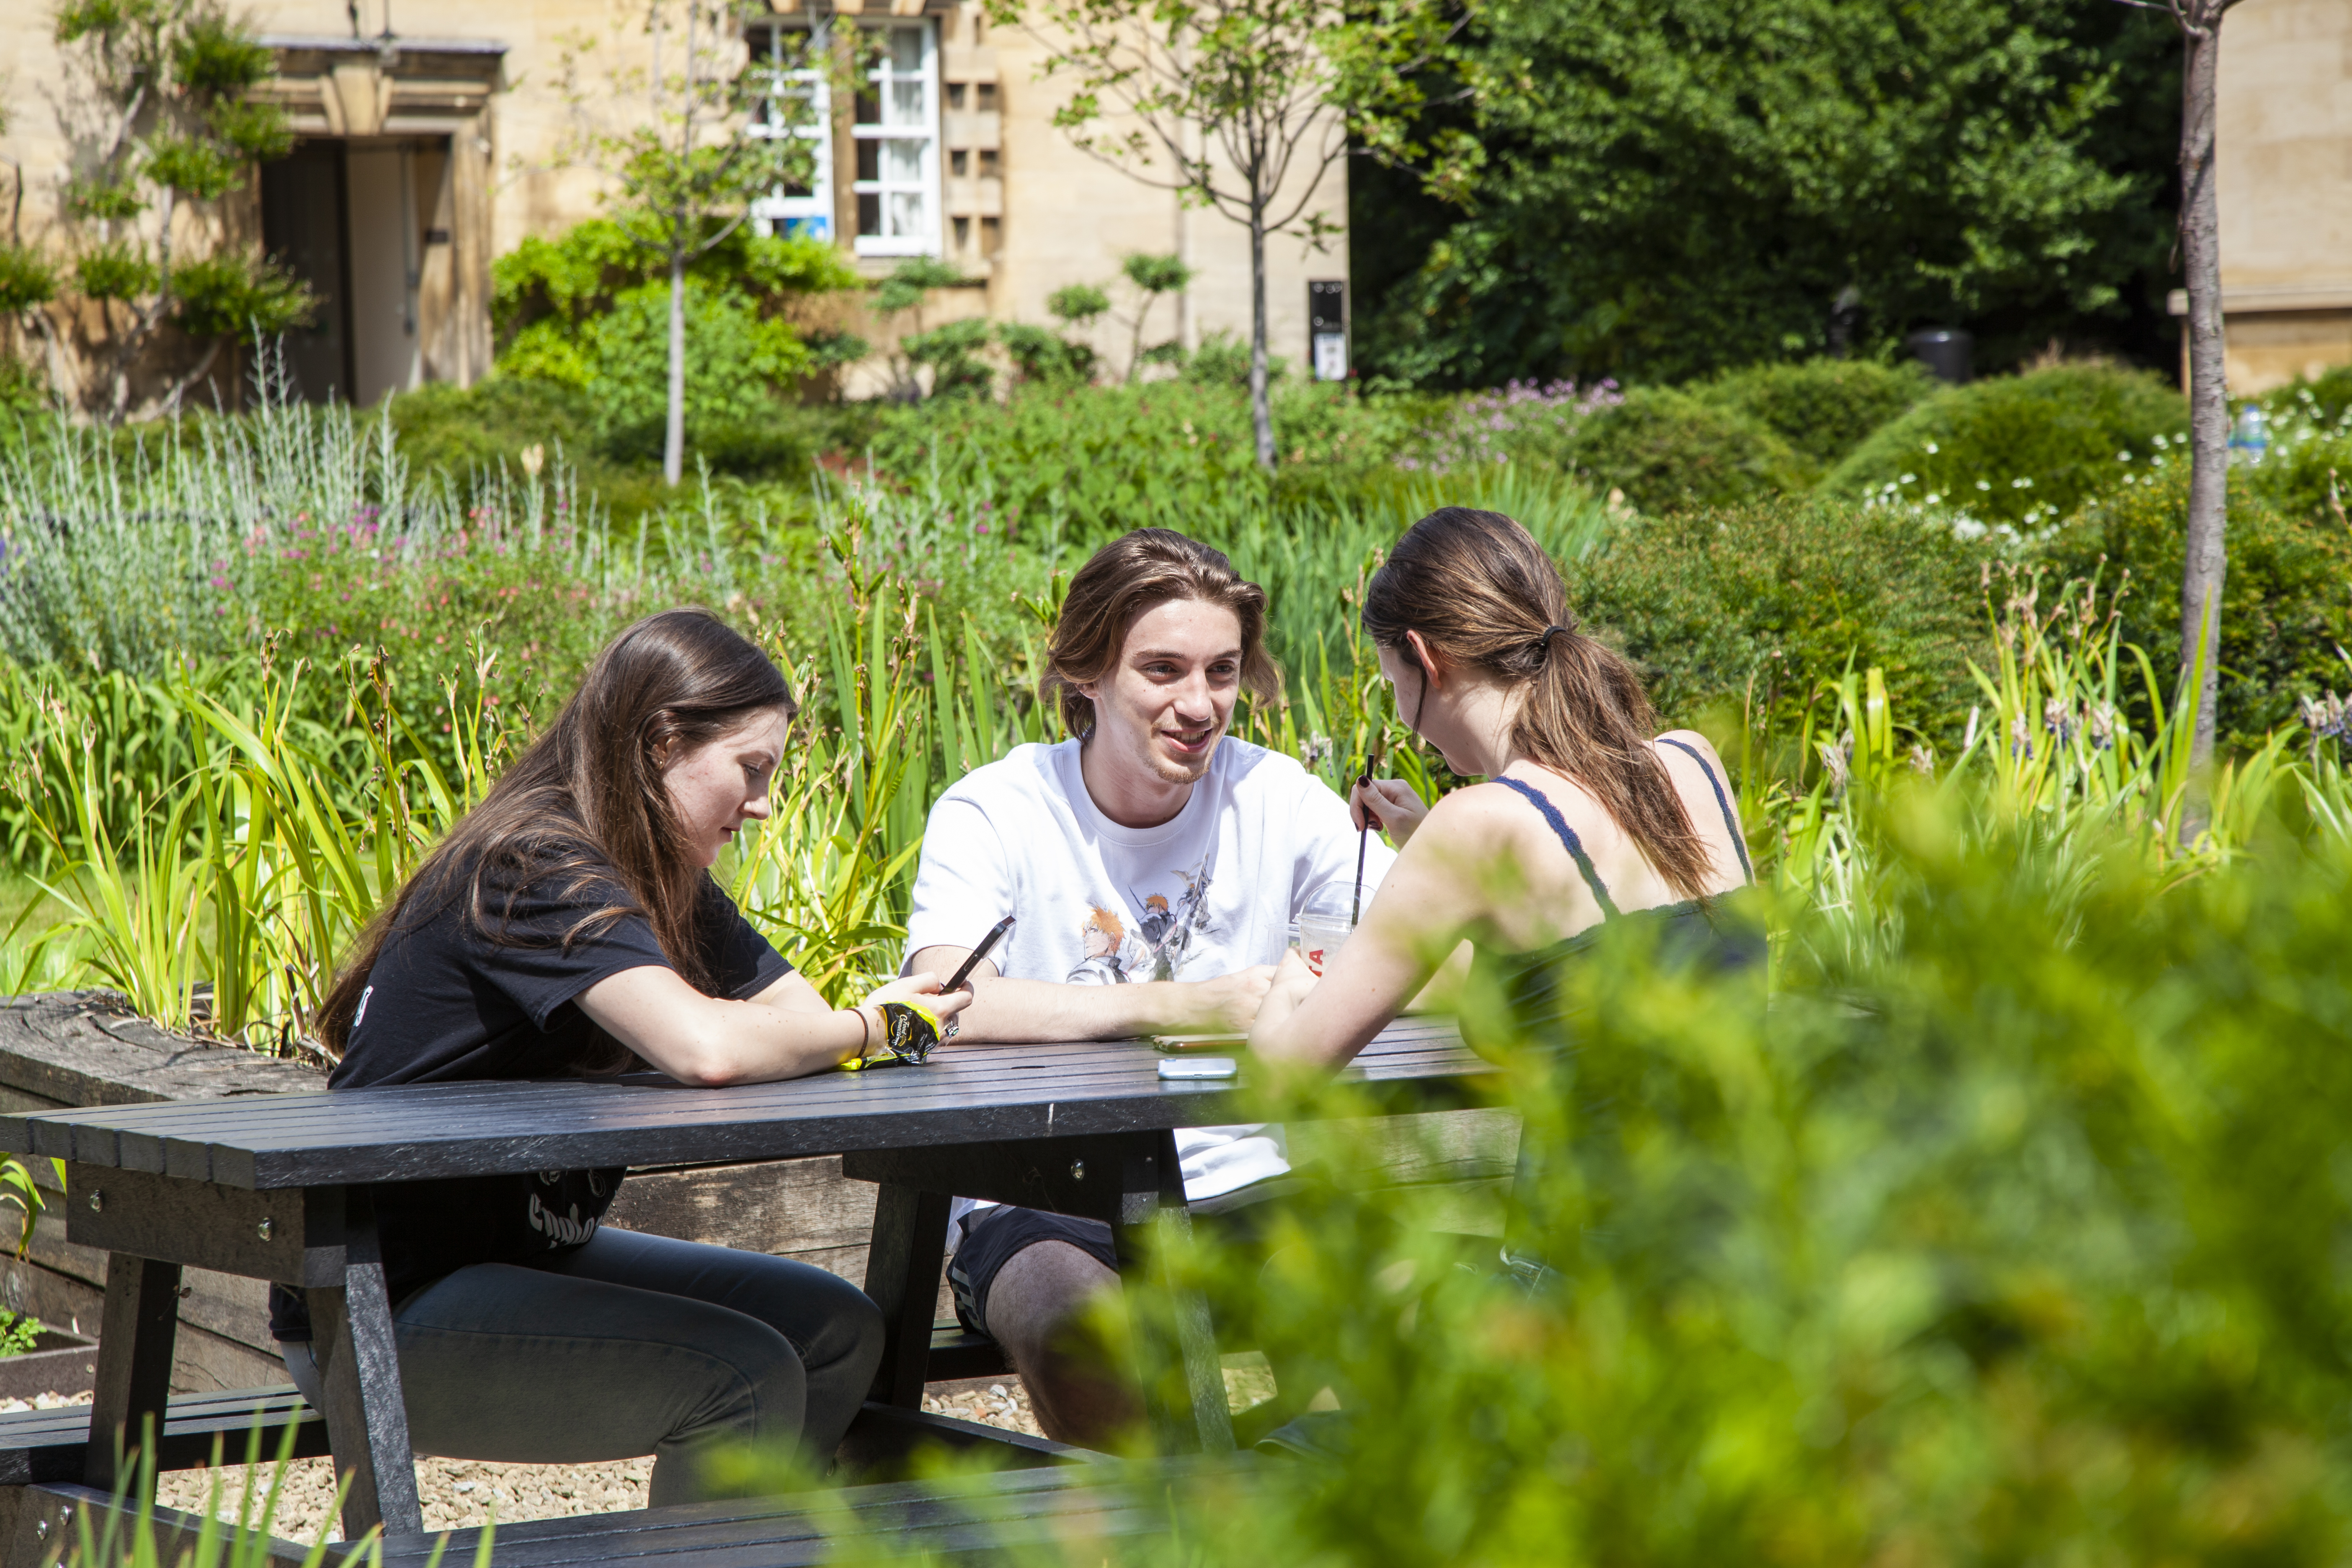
(786, 1031)
(1432, 899)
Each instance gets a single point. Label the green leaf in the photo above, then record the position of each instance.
(121, 270)
(237, 297)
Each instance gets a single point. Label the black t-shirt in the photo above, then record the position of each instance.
(445, 1002)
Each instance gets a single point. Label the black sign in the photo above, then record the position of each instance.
(1327, 330)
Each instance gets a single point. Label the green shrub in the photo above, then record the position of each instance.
(953, 351)
(1224, 360)
(2323, 399)
(1824, 408)
(2308, 471)
(25, 393)
(2307, 477)
(1043, 354)
(2286, 596)
(736, 361)
(1994, 1248)
(1085, 460)
(1720, 606)
(2020, 451)
(462, 430)
(1669, 451)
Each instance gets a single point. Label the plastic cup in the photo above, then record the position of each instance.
(1320, 935)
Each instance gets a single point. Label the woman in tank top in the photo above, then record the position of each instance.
(1588, 818)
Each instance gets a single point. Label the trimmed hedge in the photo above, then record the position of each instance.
(1822, 408)
(2020, 450)
(2287, 597)
(1670, 450)
(1781, 596)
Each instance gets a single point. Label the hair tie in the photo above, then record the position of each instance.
(1543, 643)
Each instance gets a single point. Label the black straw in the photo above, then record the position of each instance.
(1363, 834)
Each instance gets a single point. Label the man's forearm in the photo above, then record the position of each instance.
(1040, 1010)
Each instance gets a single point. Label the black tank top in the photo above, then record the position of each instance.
(1717, 934)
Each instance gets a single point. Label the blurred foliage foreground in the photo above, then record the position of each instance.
(2015, 1236)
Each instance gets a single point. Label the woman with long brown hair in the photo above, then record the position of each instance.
(1587, 817)
(569, 925)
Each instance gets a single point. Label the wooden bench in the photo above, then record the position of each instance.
(1062, 1507)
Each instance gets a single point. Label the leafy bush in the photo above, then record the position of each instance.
(1990, 1245)
(1824, 408)
(2286, 597)
(229, 296)
(953, 350)
(1522, 420)
(2308, 471)
(736, 361)
(457, 429)
(1224, 360)
(581, 272)
(28, 279)
(2325, 399)
(25, 393)
(1043, 354)
(1088, 460)
(1669, 450)
(588, 309)
(2018, 451)
(1720, 607)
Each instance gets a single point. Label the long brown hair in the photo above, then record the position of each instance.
(1120, 582)
(586, 807)
(1481, 591)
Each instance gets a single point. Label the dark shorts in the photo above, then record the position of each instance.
(992, 1237)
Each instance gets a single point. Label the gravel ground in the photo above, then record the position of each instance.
(458, 1493)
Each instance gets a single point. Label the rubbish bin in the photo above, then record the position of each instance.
(1943, 351)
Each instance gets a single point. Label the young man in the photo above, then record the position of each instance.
(1153, 866)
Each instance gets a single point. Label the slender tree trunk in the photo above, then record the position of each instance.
(2204, 558)
(1135, 344)
(674, 439)
(143, 321)
(1261, 405)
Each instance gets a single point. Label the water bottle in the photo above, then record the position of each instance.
(2252, 434)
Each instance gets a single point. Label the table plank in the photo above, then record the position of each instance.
(483, 1127)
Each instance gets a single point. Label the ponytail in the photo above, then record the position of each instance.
(1479, 590)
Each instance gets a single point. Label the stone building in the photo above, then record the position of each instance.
(2285, 172)
(429, 145)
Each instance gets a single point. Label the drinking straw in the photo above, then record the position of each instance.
(1363, 834)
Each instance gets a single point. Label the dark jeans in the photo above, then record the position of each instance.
(630, 1345)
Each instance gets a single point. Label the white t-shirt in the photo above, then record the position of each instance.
(1209, 892)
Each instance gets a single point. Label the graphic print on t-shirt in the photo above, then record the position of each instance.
(1155, 950)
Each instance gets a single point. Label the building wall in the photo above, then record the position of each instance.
(1071, 218)
(2285, 189)
(1059, 216)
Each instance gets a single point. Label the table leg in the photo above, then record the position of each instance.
(135, 1339)
(1152, 1195)
(902, 1274)
(367, 1421)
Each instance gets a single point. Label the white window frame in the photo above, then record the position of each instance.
(811, 215)
(925, 240)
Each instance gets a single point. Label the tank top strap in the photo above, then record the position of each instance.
(1575, 846)
(1738, 839)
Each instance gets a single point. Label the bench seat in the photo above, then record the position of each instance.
(43, 1445)
(1060, 1505)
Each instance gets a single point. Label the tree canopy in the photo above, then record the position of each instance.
(1672, 185)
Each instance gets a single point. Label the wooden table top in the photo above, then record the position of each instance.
(969, 1093)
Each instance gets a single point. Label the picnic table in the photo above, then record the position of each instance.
(278, 1187)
